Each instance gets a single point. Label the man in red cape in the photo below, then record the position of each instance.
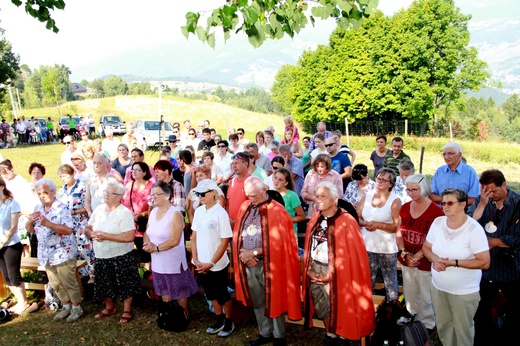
(337, 286)
(265, 258)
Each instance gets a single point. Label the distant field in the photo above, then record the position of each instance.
(482, 156)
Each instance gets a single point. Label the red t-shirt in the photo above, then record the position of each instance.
(414, 231)
(236, 196)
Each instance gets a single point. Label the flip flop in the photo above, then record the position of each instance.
(125, 319)
(105, 313)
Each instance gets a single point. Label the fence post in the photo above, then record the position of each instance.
(406, 127)
(346, 132)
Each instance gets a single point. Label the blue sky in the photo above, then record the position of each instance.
(91, 30)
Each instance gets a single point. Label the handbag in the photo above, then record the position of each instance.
(142, 221)
(172, 318)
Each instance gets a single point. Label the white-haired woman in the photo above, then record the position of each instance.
(112, 228)
(416, 218)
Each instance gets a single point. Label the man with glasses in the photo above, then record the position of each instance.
(340, 162)
(497, 209)
(267, 269)
(70, 149)
(235, 194)
(454, 174)
(97, 183)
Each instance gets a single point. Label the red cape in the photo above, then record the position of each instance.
(352, 314)
(281, 263)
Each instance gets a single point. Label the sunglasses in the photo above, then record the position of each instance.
(239, 133)
(202, 194)
(330, 145)
(66, 143)
(222, 146)
(241, 156)
(192, 134)
(449, 204)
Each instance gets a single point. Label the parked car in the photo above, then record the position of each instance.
(64, 127)
(149, 130)
(112, 121)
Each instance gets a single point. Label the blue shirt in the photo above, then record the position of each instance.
(464, 178)
(340, 162)
(8, 207)
(296, 167)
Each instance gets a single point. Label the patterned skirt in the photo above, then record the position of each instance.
(177, 286)
(116, 276)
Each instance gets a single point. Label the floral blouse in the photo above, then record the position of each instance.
(53, 247)
(351, 192)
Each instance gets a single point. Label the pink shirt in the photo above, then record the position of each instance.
(313, 179)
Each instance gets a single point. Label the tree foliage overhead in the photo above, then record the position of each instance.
(9, 62)
(405, 66)
(273, 19)
(40, 9)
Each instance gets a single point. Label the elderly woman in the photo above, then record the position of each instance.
(378, 212)
(274, 146)
(52, 223)
(10, 248)
(163, 170)
(283, 183)
(72, 194)
(458, 248)
(406, 169)
(112, 228)
(336, 286)
(209, 243)
(136, 198)
(359, 186)
(216, 171)
(321, 171)
(164, 240)
(416, 217)
(123, 161)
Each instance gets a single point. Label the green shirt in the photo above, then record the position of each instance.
(72, 123)
(292, 201)
(391, 162)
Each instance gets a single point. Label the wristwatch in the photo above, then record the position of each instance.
(255, 253)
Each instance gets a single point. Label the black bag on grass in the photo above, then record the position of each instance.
(172, 318)
(5, 315)
(415, 334)
(387, 328)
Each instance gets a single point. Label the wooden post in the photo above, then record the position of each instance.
(406, 127)
(421, 160)
(346, 132)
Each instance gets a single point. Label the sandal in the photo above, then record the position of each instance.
(8, 303)
(105, 313)
(126, 317)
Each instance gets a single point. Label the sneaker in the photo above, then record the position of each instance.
(62, 314)
(217, 327)
(228, 329)
(75, 314)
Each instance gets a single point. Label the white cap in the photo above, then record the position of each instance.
(208, 185)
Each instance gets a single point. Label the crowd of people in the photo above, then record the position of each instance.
(276, 203)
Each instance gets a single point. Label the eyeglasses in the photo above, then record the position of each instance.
(381, 180)
(412, 190)
(155, 195)
(202, 194)
(66, 143)
(449, 204)
(137, 170)
(330, 145)
(111, 193)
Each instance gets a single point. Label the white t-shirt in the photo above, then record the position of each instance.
(379, 241)
(461, 244)
(211, 226)
(317, 151)
(118, 221)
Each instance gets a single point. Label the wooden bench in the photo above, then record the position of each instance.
(31, 263)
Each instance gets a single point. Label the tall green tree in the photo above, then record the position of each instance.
(512, 107)
(9, 62)
(114, 86)
(280, 88)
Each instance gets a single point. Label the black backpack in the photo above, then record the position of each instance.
(387, 328)
(415, 334)
(171, 317)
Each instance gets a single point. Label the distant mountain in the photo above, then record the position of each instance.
(494, 28)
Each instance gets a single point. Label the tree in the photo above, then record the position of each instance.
(272, 19)
(390, 68)
(280, 88)
(114, 85)
(9, 62)
(98, 86)
(40, 9)
(512, 107)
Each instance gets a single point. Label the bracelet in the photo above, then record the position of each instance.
(157, 248)
(456, 263)
(212, 264)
